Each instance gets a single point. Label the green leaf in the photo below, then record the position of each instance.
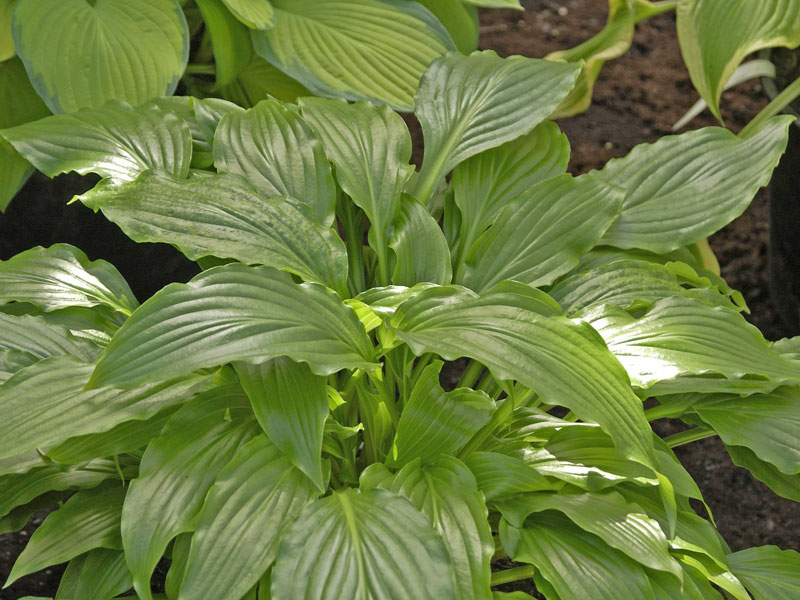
(619, 524)
(88, 520)
(435, 422)
(229, 40)
(256, 14)
(447, 493)
(370, 148)
(413, 264)
(278, 154)
(12, 361)
(6, 42)
(371, 49)
(542, 233)
(234, 313)
(520, 334)
(45, 404)
(291, 405)
(363, 545)
(100, 573)
(460, 19)
(574, 561)
(176, 472)
(258, 80)
(768, 572)
(496, 3)
(61, 276)
(224, 216)
(254, 499)
(35, 336)
(685, 187)
(680, 337)
(768, 424)
(114, 141)
(500, 476)
(147, 41)
(485, 183)
(786, 486)
(468, 104)
(716, 37)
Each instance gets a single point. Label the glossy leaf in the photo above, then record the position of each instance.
(768, 572)
(100, 573)
(415, 264)
(45, 404)
(256, 14)
(370, 49)
(229, 39)
(278, 154)
(261, 314)
(363, 545)
(148, 41)
(88, 520)
(291, 405)
(253, 500)
(500, 476)
(574, 561)
(680, 336)
(716, 36)
(786, 486)
(61, 276)
(224, 216)
(35, 336)
(114, 141)
(460, 19)
(685, 187)
(542, 233)
(520, 334)
(176, 472)
(260, 79)
(468, 104)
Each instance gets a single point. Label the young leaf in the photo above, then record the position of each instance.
(252, 502)
(768, 572)
(229, 38)
(715, 37)
(413, 264)
(176, 471)
(35, 336)
(88, 520)
(519, 333)
(370, 49)
(363, 545)
(291, 405)
(148, 41)
(278, 154)
(256, 14)
(670, 200)
(436, 422)
(224, 216)
(234, 313)
(542, 233)
(468, 104)
(114, 141)
(61, 276)
(100, 573)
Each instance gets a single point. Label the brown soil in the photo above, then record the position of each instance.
(637, 99)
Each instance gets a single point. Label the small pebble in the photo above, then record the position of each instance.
(563, 11)
(608, 145)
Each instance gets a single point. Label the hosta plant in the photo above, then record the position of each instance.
(327, 414)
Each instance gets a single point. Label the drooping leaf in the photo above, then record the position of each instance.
(88, 520)
(786, 486)
(256, 14)
(373, 544)
(520, 334)
(258, 80)
(253, 500)
(685, 187)
(100, 573)
(468, 104)
(768, 572)
(147, 41)
(487, 182)
(234, 313)
(716, 36)
(460, 19)
(420, 248)
(224, 216)
(114, 141)
(35, 336)
(61, 276)
(573, 560)
(291, 405)
(681, 337)
(278, 154)
(229, 39)
(500, 476)
(371, 49)
(370, 148)
(176, 472)
(542, 233)
(435, 422)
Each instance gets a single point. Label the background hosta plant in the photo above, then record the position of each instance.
(324, 414)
